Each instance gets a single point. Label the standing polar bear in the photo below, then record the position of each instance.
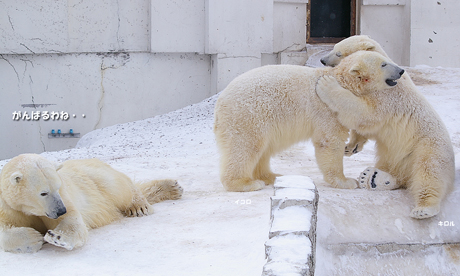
(41, 202)
(270, 108)
(413, 146)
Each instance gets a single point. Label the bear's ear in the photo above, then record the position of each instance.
(16, 177)
(355, 70)
(369, 46)
(58, 166)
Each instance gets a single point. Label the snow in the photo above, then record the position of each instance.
(289, 250)
(287, 219)
(290, 254)
(213, 232)
(294, 243)
(295, 193)
(294, 181)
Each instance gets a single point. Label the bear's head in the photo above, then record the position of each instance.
(349, 46)
(30, 184)
(364, 72)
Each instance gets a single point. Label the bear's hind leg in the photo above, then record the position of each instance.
(432, 177)
(237, 166)
(427, 195)
(139, 206)
(159, 190)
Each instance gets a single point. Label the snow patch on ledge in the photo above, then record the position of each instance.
(293, 218)
(294, 181)
(291, 247)
(295, 193)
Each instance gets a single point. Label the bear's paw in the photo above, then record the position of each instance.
(174, 190)
(348, 183)
(244, 185)
(21, 240)
(353, 148)
(59, 239)
(327, 89)
(138, 210)
(420, 212)
(377, 180)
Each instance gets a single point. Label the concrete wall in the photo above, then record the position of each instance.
(388, 22)
(74, 26)
(435, 33)
(108, 88)
(414, 32)
(119, 61)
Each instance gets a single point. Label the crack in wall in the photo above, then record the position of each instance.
(34, 105)
(118, 28)
(22, 44)
(225, 57)
(11, 23)
(41, 136)
(81, 1)
(294, 47)
(100, 103)
(25, 68)
(116, 60)
(12, 66)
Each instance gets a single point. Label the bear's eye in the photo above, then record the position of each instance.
(384, 64)
(44, 194)
(338, 54)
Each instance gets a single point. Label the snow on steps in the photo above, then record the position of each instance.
(347, 246)
(291, 247)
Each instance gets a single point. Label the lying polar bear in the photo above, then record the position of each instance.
(41, 202)
(413, 146)
(270, 108)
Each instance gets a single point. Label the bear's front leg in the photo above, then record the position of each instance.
(351, 110)
(68, 239)
(330, 92)
(21, 240)
(70, 232)
(329, 157)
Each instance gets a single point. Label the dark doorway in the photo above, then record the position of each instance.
(330, 20)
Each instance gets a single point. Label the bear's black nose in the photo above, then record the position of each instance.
(61, 211)
(323, 62)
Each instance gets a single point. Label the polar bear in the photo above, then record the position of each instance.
(341, 50)
(268, 109)
(349, 46)
(412, 143)
(41, 202)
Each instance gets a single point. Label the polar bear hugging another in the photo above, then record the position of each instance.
(413, 145)
(268, 109)
(37, 198)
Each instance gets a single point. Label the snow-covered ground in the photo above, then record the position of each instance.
(213, 232)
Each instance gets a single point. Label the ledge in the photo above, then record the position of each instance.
(291, 247)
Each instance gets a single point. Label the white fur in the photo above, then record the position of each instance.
(33, 193)
(412, 143)
(268, 109)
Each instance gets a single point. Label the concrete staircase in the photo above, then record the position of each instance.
(357, 232)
